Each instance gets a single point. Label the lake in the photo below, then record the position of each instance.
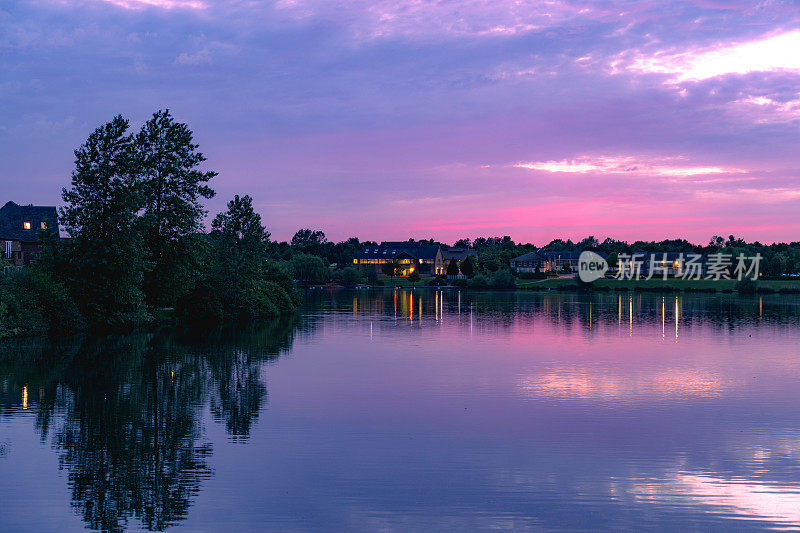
(424, 410)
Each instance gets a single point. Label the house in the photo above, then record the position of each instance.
(529, 262)
(548, 260)
(459, 254)
(19, 231)
(560, 260)
(425, 259)
(664, 263)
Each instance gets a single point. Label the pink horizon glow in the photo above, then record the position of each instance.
(404, 119)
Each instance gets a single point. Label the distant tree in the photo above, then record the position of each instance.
(413, 277)
(106, 256)
(452, 268)
(309, 241)
(612, 259)
(467, 268)
(503, 279)
(390, 269)
(462, 243)
(309, 268)
(238, 281)
(171, 187)
(350, 276)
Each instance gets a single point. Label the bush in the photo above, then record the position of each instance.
(479, 281)
(746, 286)
(348, 276)
(503, 279)
(214, 301)
(532, 275)
(308, 268)
(33, 303)
(413, 277)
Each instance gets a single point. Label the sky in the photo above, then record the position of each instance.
(391, 119)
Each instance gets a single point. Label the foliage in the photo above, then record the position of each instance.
(348, 276)
(390, 269)
(413, 277)
(33, 303)
(467, 268)
(308, 268)
(746, 286)
(452, 268)
(479, 281)
(105, 261)
(238, 282)
(171, 186)
(503, 279)
(307, 241)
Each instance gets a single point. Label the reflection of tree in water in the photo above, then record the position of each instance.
(125, 415)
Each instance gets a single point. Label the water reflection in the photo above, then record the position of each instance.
(125, 414)
(425, 410)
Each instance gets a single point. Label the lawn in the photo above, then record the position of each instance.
(651, 284)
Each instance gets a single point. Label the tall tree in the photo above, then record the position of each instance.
(106, 255)
(452, 268)
(172, 186)
(238, 281)
(467, 268)
(309, 241)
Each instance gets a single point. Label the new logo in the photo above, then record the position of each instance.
(591, 266)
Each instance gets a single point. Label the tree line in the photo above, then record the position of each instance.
(136, 242)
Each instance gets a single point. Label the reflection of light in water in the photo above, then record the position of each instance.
(470, 319)
(630, 316)
(578, 384)
(25, 397)
(676, 317)
(663, 317)
(411, 308)
(744, 498)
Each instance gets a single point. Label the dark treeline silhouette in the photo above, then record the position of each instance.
(136, 242)
(311, 258)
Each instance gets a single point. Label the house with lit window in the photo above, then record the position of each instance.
(423, 258)
(529, 263)
(546, 260)
(458, 254)
(19, 231)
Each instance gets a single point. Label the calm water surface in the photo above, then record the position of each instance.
(418, 411)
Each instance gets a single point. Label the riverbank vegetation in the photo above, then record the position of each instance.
(137, 244)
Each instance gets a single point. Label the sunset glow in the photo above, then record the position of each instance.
(458, 119)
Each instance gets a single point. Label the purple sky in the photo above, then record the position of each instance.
(407, 118)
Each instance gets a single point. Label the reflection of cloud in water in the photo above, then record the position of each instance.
(742, 497)
(587, 385)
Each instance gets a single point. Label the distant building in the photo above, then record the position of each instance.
(19, 231)
(547, 260)
(529, 262)
(425, 259)
(669, 263)
(558, 260)
(459, 254)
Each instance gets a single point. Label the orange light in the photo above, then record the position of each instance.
(26, 225)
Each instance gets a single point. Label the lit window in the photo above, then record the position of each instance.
(44, 225)
(26, 225)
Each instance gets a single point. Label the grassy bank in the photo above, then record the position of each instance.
(658, 284)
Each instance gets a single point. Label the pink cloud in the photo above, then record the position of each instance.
(777, 52)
